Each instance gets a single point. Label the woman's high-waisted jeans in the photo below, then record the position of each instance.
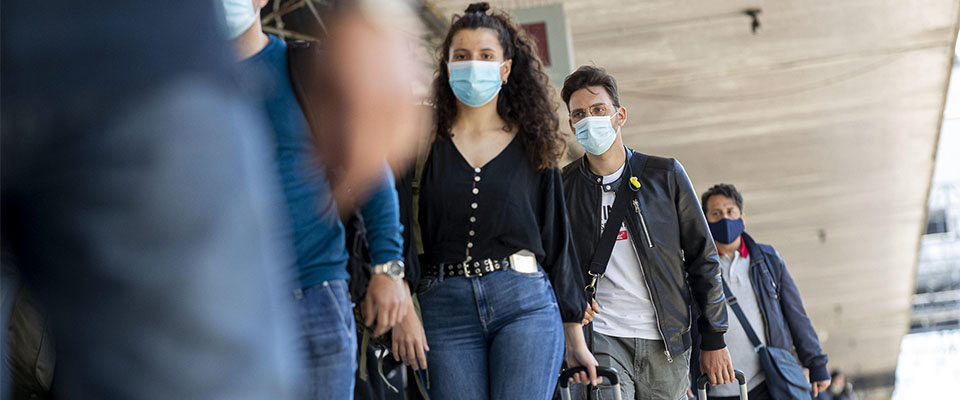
(498, 336)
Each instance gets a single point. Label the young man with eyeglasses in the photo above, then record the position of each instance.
(642, 309)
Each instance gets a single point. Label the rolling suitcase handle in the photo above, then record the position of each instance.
(606, 372)
(703, 381)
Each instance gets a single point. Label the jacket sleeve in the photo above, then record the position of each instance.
(381, 217)
(701, 262)
(560, 260)
(805, 339)
(404, 188)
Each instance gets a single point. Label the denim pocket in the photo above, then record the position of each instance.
(343, 310)
(326, 320)
(538, 274)
(427, 285)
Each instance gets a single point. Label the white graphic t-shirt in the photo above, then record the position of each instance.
(625, 307)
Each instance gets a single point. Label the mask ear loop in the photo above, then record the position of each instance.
(617, 114)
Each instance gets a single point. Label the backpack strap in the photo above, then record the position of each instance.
(302, 58)
(424, 144)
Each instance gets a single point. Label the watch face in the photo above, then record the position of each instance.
(395, 269)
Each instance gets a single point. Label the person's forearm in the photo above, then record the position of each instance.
(573, 333)
(381, 217)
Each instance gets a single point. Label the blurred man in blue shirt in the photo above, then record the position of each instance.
(317, 232)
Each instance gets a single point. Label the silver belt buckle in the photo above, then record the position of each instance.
(523, 261)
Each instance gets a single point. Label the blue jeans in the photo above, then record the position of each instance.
(494, 337)
(326, 315)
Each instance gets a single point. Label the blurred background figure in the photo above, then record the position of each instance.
(362, 104)
(324, 298)
(839, 388)
(138, 202)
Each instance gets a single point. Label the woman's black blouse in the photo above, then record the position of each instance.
(496, 210)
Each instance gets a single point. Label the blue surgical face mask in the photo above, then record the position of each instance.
(595, 134)
(238, 16)
(727, 231)
(475, 83)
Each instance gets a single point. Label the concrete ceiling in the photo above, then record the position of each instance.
(826, 119)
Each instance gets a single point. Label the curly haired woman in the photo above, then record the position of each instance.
(501, 293)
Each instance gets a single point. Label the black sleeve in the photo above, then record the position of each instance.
(559, 260)
(701, 262)
(404, 184)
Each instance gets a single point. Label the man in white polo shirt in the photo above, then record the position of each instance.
(767, 295)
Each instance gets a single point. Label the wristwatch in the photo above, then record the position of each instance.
(392, 268)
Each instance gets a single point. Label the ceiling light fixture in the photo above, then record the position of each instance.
(753, 13)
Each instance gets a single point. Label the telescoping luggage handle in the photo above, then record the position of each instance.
(609, 373)
(703, 381)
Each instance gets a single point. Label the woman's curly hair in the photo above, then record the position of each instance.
(525, 101)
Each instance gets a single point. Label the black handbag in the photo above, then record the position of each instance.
(784, 376)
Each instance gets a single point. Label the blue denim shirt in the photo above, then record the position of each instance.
(318, 234)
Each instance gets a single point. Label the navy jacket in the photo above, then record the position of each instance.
(787, 324)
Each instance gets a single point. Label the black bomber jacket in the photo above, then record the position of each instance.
(677, 255)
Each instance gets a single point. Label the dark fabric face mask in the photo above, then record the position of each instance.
(726, 231)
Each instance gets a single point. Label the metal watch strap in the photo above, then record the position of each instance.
(385, 269)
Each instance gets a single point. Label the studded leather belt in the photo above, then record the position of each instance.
(467, 269)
